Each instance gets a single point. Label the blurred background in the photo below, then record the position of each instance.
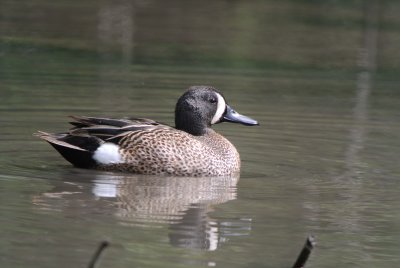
(294, 35)
(321, 77)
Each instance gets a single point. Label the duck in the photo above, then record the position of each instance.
(145, 146)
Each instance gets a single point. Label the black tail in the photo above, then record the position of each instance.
(76, 149)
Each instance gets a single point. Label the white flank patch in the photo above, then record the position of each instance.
(107, 153)
(220, 109)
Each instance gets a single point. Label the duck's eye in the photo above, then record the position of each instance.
(212, 100)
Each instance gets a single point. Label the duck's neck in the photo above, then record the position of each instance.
(193, 127)
(191, 122)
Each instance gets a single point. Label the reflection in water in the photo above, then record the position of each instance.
(358, 132)
(367, 63)
(182, 202)
(116, 27)
(195, 230)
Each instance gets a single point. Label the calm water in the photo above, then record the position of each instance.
(322, 80)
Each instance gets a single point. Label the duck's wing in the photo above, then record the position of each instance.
(109, 129)
(86, 121)
(88, 133)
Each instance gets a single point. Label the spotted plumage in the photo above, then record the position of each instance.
(145, 146)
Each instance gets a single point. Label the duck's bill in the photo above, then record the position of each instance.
(234, 117)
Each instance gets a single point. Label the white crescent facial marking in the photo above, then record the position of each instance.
(220, 109)
(107, 153)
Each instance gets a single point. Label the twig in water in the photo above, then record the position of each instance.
(96, 256)
(305, 252)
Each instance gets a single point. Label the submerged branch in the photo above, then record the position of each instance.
(96, 256)
(305, 252)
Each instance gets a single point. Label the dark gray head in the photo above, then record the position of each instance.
(201, 106)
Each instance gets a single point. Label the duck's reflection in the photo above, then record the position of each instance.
(184, 203)
(195, 230)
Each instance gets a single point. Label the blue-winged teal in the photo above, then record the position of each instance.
(145, 146)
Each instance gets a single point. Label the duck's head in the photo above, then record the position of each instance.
(202, 106)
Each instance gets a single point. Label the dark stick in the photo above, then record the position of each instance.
(305, 252)
(97, 254)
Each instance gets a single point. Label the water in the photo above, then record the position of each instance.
(320, 78)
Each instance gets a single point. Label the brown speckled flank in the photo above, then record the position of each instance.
(145, 146)
(173, 152)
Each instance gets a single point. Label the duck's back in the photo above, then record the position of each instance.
(174, 152)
